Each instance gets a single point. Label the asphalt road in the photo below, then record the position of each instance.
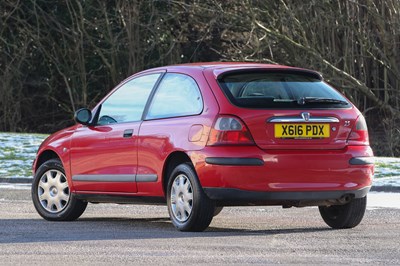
(125, 234)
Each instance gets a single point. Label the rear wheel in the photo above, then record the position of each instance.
(344, 216)
(51, 194)
(189, 207)
(217, 210)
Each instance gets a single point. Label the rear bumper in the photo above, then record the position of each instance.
(235, 197)
(251, 169)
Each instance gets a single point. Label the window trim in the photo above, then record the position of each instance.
(125, 81)
(152, 94)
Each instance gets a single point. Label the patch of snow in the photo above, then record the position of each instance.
(17, 152)
(15, 186)
(387, 172)
(383, 200)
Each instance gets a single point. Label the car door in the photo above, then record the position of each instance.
(172, 122)
(104, 156)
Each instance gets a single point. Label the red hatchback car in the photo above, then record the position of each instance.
(202, 136)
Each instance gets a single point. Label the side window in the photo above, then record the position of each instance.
(127, 103)
(177, 95)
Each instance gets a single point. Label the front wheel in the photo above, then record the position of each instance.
(189, 207)
(344, 216)
(51, 195)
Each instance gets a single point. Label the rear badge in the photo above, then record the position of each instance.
(305, 116)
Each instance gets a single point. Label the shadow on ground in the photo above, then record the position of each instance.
(38, 230)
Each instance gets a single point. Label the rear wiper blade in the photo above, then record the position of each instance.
(305, 100)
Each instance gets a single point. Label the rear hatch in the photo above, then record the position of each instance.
(289, 108)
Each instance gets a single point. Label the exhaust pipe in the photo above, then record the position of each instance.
(346, 199)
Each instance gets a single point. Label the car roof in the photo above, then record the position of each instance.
(221, 65)
(218, 68)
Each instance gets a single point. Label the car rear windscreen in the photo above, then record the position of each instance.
(280, 89)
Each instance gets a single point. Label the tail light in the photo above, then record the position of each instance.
(359, 133)
(229, 130)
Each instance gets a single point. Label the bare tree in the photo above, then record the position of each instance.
(58, 56)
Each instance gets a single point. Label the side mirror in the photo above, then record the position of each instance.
(83, 116)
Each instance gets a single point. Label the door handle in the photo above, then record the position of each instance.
(128, 133)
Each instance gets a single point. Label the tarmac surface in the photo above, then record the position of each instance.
(134, 234)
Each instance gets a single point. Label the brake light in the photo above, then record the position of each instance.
(359, 133)
(229, 130)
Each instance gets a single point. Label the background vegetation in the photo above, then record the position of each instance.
(57, 56)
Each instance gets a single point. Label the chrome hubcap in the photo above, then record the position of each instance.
(181, 198)
(53, 191)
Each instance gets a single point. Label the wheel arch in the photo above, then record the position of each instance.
(173, 160)
(45, 156)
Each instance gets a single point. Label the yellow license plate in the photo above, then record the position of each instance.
(302, 130)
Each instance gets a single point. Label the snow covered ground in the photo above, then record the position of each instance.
(17, 152)
(387, 172)
(383, 200)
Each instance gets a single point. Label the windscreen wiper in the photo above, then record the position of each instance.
(306, 100)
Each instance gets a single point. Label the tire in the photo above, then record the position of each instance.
(51, 194)
(217, 210)
(189, 207)
(344, 216)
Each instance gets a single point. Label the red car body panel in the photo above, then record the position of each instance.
(295, 165)
(286, 170)
(102, 150)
